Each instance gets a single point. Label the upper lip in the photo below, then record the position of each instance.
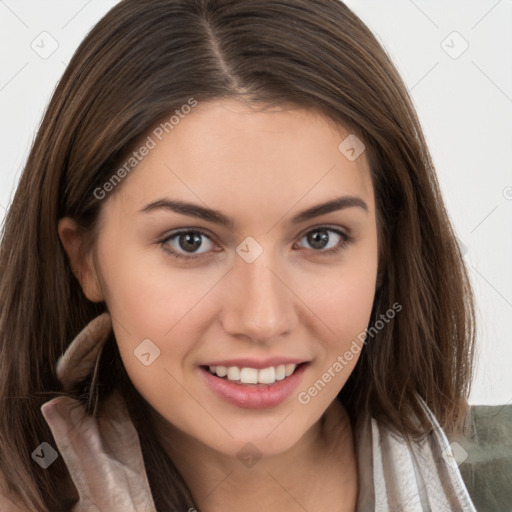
(247, 362)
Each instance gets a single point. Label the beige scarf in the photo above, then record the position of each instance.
(396, 478)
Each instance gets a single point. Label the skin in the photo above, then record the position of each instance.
(260, 169)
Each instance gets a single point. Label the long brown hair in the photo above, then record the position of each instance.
(139, 63)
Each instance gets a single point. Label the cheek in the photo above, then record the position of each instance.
(166, 309)
(160, 311)
(344, 307)
(155, 309)
(347, 314)
(343, 297)
(149, 296)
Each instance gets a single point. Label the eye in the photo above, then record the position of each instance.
(184, 244)
(322, 240)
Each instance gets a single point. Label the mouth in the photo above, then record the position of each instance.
(254, 388)
(254, 376)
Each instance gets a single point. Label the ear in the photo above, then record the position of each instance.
(82, 264)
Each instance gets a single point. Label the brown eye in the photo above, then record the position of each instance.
(326, 239)
(185, 244)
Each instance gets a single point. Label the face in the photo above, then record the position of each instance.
(237, 276)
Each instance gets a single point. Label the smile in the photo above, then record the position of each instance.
(253, 375)
(254, 388)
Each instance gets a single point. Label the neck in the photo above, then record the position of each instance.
(319, 471)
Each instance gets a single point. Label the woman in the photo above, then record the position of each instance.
(228, 272)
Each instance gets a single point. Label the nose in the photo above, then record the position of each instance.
(259, 302)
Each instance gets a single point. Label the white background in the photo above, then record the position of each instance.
(464, 105)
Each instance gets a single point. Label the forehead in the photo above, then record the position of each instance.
(227, 153)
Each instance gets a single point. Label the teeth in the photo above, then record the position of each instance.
(289, 369)
(221, 371)
(248, 375)
(280, 372)
(266, 375)
(233, 373)
(254, 376)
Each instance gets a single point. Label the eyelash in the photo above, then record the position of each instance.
(345, 241)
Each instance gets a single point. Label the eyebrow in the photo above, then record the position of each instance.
(217, 217)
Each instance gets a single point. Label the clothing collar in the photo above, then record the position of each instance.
(395, 477)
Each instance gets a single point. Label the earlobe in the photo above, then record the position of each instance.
(81, 262)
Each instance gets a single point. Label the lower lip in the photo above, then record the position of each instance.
(255, 396)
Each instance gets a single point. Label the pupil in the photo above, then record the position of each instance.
(193, 241)
(318, 239)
